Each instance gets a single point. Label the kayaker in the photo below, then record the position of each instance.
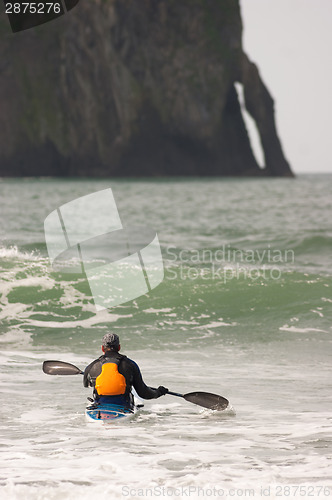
(113, 375)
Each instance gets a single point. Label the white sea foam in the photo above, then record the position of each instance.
(70, 296)
(15, 336)
(276, 377)
(14, 253)
(317, 312)
(280, 434)
(152, 310)
(287, 328)
(215, 324)
(84, 323)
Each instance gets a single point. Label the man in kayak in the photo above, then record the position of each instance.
(113, 375)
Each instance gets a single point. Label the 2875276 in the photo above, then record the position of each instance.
(32, 8)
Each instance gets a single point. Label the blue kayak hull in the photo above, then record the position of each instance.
(108, 412)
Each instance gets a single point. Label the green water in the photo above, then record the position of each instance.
(244, 310)
(252, 252)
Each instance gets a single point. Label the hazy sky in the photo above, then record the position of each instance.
(291, 42)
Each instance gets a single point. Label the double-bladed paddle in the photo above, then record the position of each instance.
(60, 368)
(205, 399)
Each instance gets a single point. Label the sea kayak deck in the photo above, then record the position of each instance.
(107, 412)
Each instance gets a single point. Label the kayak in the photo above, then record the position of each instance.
(102, 411)
(109, 412)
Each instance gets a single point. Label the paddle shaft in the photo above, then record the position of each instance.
(205, 399)
(176, 394)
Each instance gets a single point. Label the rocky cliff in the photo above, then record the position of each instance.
(133, 87)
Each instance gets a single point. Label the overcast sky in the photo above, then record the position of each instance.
(291, 42)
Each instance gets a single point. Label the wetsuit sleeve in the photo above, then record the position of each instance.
(91, 372)
(140, 387)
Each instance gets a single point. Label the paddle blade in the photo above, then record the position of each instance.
(207, 400)
(60, 368)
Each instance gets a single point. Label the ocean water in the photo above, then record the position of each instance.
(244, 310)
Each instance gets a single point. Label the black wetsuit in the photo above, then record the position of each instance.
(126, 367)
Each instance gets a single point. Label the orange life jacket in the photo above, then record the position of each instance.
(110, 382)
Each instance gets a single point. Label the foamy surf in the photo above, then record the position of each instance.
(262, 343)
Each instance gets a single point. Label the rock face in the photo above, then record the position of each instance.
(133, 87)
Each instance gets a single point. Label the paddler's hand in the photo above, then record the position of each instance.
(161, 391)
